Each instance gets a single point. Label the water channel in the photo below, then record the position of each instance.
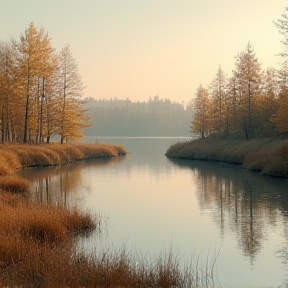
(152, 204)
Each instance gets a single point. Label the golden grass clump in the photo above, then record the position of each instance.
(14, 184)
(8, 161)
(34, 238)
(101, 150)
(33, 155)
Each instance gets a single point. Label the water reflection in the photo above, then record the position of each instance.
(153, 202)
(241, 201)
(60, 185)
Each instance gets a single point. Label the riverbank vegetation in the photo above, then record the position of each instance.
(269, 156)
(243, 119)
(37, 249)
(15, 156)
(38, 242)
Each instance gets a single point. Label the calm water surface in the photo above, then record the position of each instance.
(152, 204)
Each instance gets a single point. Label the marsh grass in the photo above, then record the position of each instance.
(269, 156)
(37, 249)
(9, 162)
(14, 184)
(36, 238)
(16, 156)
(38, 242)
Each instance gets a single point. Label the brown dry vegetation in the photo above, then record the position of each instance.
(37, 249)
(37, 241)
(34, 238)
(269, 156)
(15, 156)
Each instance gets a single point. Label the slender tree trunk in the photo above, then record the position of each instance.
(64, 108)
(26, 110)
(38, 104)
(7, 135)
(41, 113)
(2, 126)
(249, 108)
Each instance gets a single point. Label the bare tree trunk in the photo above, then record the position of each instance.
(26, 110)
(41, 113)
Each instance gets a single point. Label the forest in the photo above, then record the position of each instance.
(40, 90)
(253, 102)
(156, 117)
(41, 95)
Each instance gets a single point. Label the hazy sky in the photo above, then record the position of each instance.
(139, 48)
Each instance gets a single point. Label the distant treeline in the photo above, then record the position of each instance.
(157, 117)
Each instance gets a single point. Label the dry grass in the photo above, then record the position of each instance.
(101, 150)
(37, 243)
(269, 156)
(9, 162)
(34, 238)
(37, 249)
(15, 156)
(14, 184)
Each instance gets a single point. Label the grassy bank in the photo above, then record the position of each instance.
(37, 241)
(37, 249)
(269, 156)
(17, 156)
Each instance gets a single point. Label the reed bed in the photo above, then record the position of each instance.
(16, 156)
(269, 156)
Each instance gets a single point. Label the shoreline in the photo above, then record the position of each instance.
(37, 243)
(268, 156)
(14, 157)
(17, 156)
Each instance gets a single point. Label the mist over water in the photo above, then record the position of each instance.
(152, 204)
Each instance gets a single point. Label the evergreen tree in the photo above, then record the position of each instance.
(248, 77)
(219, 101)
(73, 117)
(201, 104)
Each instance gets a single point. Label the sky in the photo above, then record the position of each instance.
(137, 49)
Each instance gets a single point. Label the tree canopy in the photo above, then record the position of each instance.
(250, 103)
(40, 90)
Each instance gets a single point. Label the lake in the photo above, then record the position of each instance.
(152, 204)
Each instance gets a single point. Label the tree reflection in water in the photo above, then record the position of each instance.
(60, 185)
(241, 201)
